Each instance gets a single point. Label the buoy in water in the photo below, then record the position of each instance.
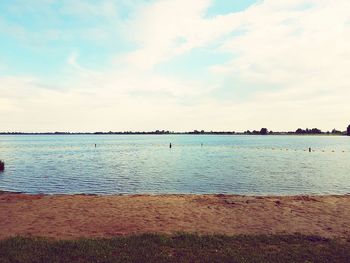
(2, 166)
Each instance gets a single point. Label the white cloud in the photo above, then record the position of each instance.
(85, 9)
(165, 29)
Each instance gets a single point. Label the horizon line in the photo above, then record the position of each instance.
(263, 131)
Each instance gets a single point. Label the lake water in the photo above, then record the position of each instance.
(251, 165)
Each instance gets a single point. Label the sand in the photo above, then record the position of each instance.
(75, 216)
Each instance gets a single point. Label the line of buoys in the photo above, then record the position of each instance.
(295, 150)
(309, 149)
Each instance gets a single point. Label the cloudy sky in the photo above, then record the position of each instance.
(88, 65)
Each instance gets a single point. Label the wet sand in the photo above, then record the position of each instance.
(75, 216)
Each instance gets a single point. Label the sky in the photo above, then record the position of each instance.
(178, 65)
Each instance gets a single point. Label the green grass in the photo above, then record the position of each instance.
(177, 248)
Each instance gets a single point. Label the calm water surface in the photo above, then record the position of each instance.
(252, 165)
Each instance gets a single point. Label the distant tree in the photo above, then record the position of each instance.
(263, 131)
(316, 131)
(348, 131)
(300, 131)
(334, 131)
(308, 131)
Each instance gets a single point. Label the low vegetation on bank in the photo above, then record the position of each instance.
(177, 248)
(262, 131)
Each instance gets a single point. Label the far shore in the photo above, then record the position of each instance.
(91, 216)
(183, 133)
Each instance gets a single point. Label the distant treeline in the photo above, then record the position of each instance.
(262, 131)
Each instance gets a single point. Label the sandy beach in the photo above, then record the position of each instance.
(74, 216)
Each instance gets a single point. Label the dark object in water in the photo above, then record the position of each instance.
(170, 145)
(310, 150)
(2, 166)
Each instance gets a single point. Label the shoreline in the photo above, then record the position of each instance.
(103, 216)
(175, 194)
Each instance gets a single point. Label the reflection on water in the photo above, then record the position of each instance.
(145, 164)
